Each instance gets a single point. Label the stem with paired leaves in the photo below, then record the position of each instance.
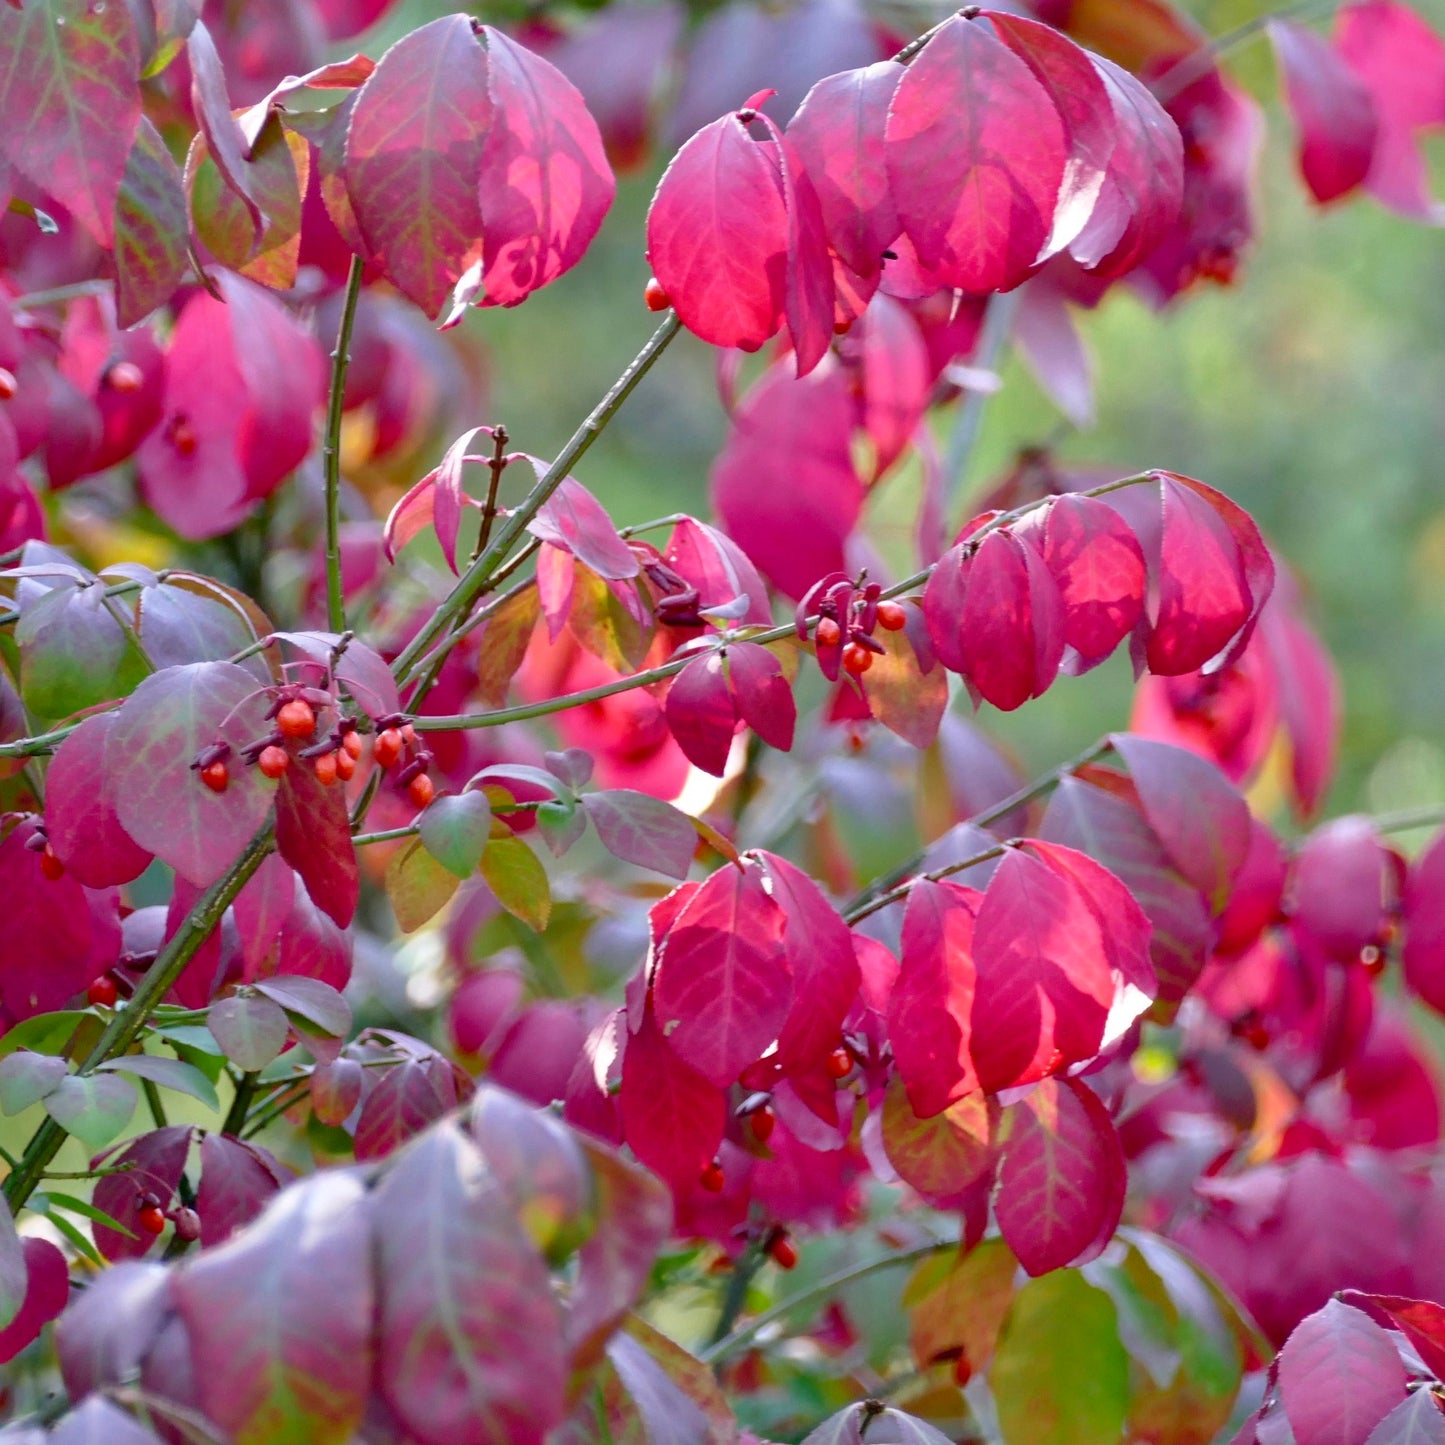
(128, 1023)
(476, 579)
(331, 449)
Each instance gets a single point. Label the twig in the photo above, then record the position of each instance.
(331, 450)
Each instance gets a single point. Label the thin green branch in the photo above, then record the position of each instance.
(235, 1119)
(735, 1296)
(496, 465)
(722, 1349)
(475, 581)
(1427, 815)
(127, 1024)
(331, 450)
(1200, 61)
(998, 320)
(937, 875)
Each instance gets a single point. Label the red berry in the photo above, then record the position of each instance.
(962, 1371)
(188, 1224)
(345, 764)
(763, 1119)
(892, 617)
(828, 632)
(842, 328)
(125, 376)
(103, 992)
(216, 776)
(296, 719)
(1256, 1036)
(421, 790)
(387, 749)
(273, 761)
(408, 735)
(325, 767)
(182, 436)
(712, 1178)
(50, 865)
(351, 744)
(840, 1064)
(151, 1219)
(783, 1251)
(655, 296)
(856, 659)
(8, 384)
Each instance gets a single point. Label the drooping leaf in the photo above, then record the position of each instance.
(1416, 1421)
(335, 1090)
(702, 714)
(418, 885)
(237, 1181)
(26, 1078)
(408, 1097)
(760, 692)
(47, 1288)
(98, 1421)
(957, 1305)
(211, 104)
(74, 652)
(80, 817)
(310, 999)
(313, 834)
(1098, 566)
(1339, 1376)
(14, 1278)
(150, 228)
(907, 692)
(942, 1156)
(276, 1358)
(643, 830)
(517, 878)
(469, 1334)
(1343, 887)
(250, 1029)
(174, 1074)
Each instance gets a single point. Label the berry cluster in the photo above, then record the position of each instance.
(848, 614)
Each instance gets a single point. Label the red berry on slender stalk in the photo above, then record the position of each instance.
(151, 1219)
(655, 296)
(712, 1178)
(296, 719)
(828, 632)
(783, 1251)
(273, 761)
(50, 865)
(352, 745)
(856, 659)
(387, 748)
(103, 992)
(216, 776)
(326, 769)
(421, 790)
(892, 617)
(763, 1121)
(345, 764)
(840, 1064)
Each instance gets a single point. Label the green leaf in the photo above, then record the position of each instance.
(418, 886)
(80, 1206)
(26, 1078)
(169, 1074)
(73, 652)
(516, 875)
(250, 1029)
(78, 1238)
(1061, 1374)
(957, 1304)
(93, 1107)
(45, 1033)
(455, 829)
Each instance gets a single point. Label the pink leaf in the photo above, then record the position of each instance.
(574, 520)
(225, 140)
(80, 816)
(313, 834)
(724, 986)
(47, 1290)
(702, 713)
(1424, 921)
(976, 157)
(761, 695)
(1339, 1376)
(897, 379)
(643, 830)
(237, 1181)
(1061, 1184)
(1343, 886)
(409, 1096)
(1098, 566)
(156, 1162)
(720, 570)
(1332, 110)
(261, 910)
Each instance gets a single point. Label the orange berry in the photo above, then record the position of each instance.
(962, 1371)
(783, 1251)
(103, 992)
(892, 617)
(827, 632)
(125, 376)
(296, 719)
(325, 767)
(345, 764)
(50, 865)
(151, 1219)
(8, 385)
(408, 735)
(655, 296)
(216, 776)
(351, 744)
(421, 790)
(712, 1178)
(840, 1064)
(387, 748)
(856, 659)
(763, 1119)
(273, 761)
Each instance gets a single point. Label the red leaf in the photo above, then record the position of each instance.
(1098, 566)
(784, 484)
(897, 378)
(151, 228)
(1423, 916)
(80, 817)
(976, 155)
(1044, 982)
(761, 695)
(838, 134)
(313, 834)
(1343, 886)
(1422, 1321)
(720, 570)
(1061, 1184)
(156, 1162)
(574, 520)
(1401, 62)
(1139, 202)
(723, 985)
(413, 152)
(70, 102)
(943, 1156)
(1332, 111)
(261, 909)
(409, 1096)
(544, 183)
(717, 237)
(702, 713)
(672, 1117)
(643, 830)
(1198, 814)
(46, 1293)
(237, 1182)
(1339, 1376)
(930, 1008)
(225, 140)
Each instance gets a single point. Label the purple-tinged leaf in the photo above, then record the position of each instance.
(1098, 566)
(73, 651)
(663, 1388)
(469, 1333)
(313, 834)
(26, 1078)
(413, 150)
(223, 134)
(159, 799)
(97, 1421)
(278, 1359)
(409, 1096)
(1062, 1180)
(943, 1156)
(544, 182)
(93, 1107)
(103, 1338)
(47, 1289)
(454, 829)
(1416, 1421)
(70, 102)
(574, 520)
(760, 692)
(643, 830)
(1342, 887)
(702, 714)
(155, 1163)
(311, 946)
(335, 1091)
(151, 228)
(261, 910)
(180, 625)
(13, 1269)
(311, 999)
(1339, 1376)
(720, 570)
(237, 1181)
(251, 1030)
(897, 378)
(724, 985)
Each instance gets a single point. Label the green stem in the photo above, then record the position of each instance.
(919, 41)
(1199, 62)
(235, 1119)
(154, 1103)
(893, 895)
(275, 1109)
(1427, 815)
(57, 295)
(475, 580)
(736, 1295)
(998, 319)
(127, 1024)
(730, 1344)
(331, 451)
